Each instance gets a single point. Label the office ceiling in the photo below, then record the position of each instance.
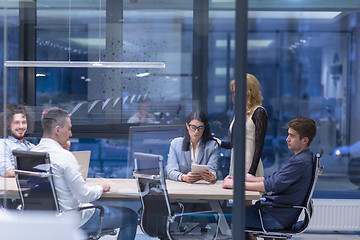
(264, 15)
(188, 4)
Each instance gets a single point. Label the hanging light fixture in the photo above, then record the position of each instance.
(83, 64)
(80, 64)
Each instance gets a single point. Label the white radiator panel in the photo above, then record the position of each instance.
(336, 215)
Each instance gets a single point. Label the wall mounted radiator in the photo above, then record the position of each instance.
(336, 215)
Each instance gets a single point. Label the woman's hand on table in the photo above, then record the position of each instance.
(208, 176)
(191, 177)
(228, 182)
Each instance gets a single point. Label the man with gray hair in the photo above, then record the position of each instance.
(71, 189)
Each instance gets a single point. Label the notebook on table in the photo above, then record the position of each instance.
(83, 158)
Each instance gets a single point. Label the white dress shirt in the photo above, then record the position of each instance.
(194, 156)
(71, 189)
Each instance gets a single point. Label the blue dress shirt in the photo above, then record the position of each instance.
(7, 145)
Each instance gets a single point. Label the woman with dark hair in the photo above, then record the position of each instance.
(196, 147)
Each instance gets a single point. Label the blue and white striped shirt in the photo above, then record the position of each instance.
(7, 145)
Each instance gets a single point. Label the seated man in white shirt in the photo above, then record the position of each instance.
(71, 189)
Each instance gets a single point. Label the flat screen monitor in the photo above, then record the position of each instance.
(153, 139)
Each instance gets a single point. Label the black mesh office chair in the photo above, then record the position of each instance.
(36, 187)
(307, 209)
(157, 217)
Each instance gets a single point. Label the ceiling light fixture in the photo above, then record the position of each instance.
(79, 64)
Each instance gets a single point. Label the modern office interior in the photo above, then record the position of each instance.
(101, 59)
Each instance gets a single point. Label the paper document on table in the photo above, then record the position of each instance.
(195, 168)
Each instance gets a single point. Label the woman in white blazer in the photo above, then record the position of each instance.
(196, 147)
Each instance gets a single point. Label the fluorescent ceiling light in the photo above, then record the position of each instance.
(78, 64)
(220, 99)
(257, 43)
(90, 42)
(277, 14)
(143, 74)
(219, 71)
(223, 1)
(293, 14)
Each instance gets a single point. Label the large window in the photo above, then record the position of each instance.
(304, 54)
(304, 61)
(114, 32)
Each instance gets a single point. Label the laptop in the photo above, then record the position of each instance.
(83, 158)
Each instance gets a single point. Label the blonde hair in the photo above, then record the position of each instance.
(253, 94)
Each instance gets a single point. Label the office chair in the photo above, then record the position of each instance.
(36, 187)
(157, 218)
(301, 225)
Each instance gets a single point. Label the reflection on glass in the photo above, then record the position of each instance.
(305, 60)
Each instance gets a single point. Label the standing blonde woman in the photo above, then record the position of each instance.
(256, 126)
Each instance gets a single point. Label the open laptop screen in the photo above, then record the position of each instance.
(83, 158)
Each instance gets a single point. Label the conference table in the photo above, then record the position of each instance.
(127, 189)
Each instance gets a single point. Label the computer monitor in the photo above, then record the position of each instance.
(153, 139)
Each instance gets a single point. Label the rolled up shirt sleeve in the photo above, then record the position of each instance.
(5, 158)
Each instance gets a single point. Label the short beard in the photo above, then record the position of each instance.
(16, 137)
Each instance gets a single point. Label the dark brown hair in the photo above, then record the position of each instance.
(306, 127)
(12, 109)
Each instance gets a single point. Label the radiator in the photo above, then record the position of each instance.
(336, 215)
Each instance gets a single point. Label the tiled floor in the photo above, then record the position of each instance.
(304, 236)
(328, 236)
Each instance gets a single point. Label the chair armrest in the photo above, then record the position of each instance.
(260, 205)
(146, 176)
(34, 174)
(101, 208)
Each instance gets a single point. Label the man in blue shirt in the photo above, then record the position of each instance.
(18, 120)
(287, 185)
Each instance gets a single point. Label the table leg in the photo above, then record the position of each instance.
(223, 225)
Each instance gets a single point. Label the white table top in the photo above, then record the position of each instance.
(127, 188)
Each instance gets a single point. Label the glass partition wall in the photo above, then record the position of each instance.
(304, 54)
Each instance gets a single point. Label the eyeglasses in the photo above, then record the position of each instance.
(194, 127)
